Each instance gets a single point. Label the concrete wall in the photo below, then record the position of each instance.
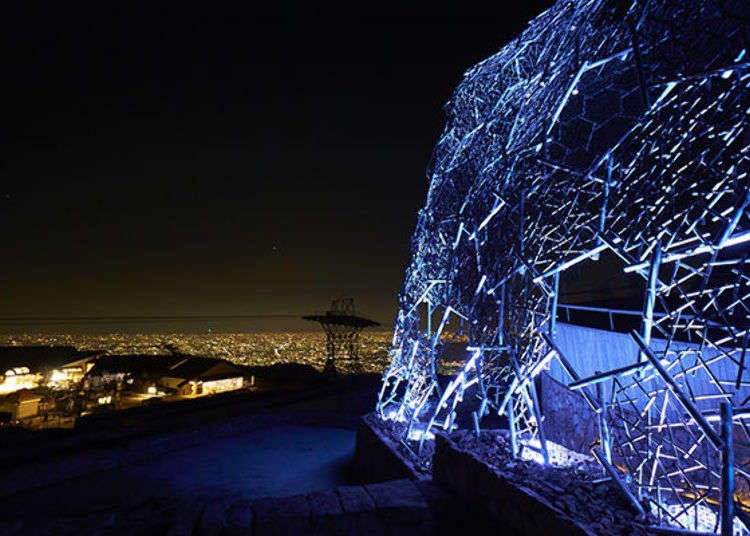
(568, 419)
(592, 350)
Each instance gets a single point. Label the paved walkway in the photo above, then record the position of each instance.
(394, 507)
(90, 487)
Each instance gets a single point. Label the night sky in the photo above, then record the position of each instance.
(223, 161)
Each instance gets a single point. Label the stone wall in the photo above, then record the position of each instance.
(376, 457)
(475, 482)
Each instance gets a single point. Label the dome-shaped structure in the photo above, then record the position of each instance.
(611, 139)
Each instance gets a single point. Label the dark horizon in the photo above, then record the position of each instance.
(161, 324)
(226, 163)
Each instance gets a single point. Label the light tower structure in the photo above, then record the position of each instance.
(342, 327)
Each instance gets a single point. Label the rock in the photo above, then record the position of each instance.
(185, 519)
(395, 494)
(354, 499)
(151, 516)
(239, 519)
(327, 515)
(281, 515)
(324, 503)
(10, 528)
(435, 495)
(369, 524)
(212, 518)
(399, 502)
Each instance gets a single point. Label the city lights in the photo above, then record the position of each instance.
(249, 349)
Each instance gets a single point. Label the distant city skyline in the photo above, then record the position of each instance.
(223, 163)
(161, 324)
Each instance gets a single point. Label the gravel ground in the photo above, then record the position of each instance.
(577, 490)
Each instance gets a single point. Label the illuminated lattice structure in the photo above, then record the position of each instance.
(605, 129)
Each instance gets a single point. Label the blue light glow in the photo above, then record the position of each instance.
(598, 131)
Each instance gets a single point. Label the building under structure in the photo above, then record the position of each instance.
(342, 327)
(160, 375)
(28, 367)
(608, 143)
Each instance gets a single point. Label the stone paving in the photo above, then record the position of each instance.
(395, 507)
